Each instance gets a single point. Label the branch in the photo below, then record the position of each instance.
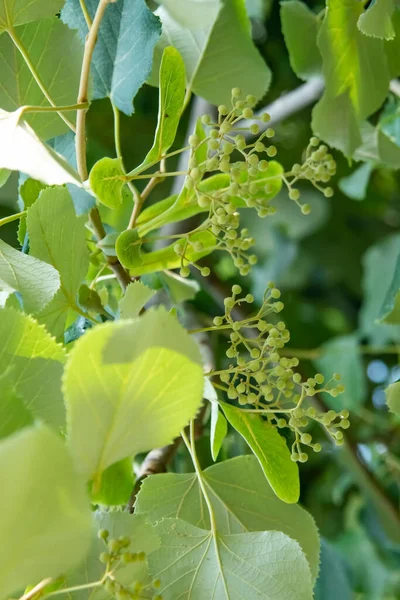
(289, 104)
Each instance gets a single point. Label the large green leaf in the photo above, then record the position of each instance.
(56, 54)
(13, 413)
(217, 50)
(130, 386)
(58, 237)
(241, 498)
(22, 150)
(171, 102)
(18, 12)
(142, 539)
(36, 281)
(379, 264)
(393, 398)
(270, 450)
(45, 516)
(356, 76)
(123, 54)
(377, 20)
(193, 564)
(299, 23)
(35, 364)
(343, 355)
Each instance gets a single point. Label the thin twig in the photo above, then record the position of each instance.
(80, 140)
(37, 589)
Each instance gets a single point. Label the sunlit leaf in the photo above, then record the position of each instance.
(36, 364)
(242, 501)
(40, 474)
(116, 484)
(124, 384)
(376, 21)
(18, 12)
(136, 296)
(267, 565)
(271, 451)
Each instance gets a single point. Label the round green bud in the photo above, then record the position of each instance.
(214, 134)
(103, 534)
(206, 119)
(344, 413)
(263, 165)
(345, 424)
(236, 92)
(247, 113)
(294, 194)
(205, 271)
(254, 353)
(328, 192)
(250, 99)
(281, 423)
(305, 438)
(314, 142)
(213, 145)
(229, 302)
(259, 147)
(306, 209)
(184, 272)
(222, 109)
(195, 174)
(193, 140)
(254, 128)
(113, 545)
(270, 133)
(311, 412)
(228, 148)
(295, 457)
(225, 127)
(296, 169)
(336, 377)
(236, 289)
(272, 151)
(319, 378)
(265, 117)
(253, 160)
(249, 298)
(275, 293)
(317, 447)
(303, 457)
(297, 377)
(104, 557)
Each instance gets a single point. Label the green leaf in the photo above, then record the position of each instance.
(377, 147)
(299, 23)
(392, 47)
(270, 450)
(55, 532)
(4, 175)
(379, 264)
(90, 300)
(22, 150)
(171, 103)
(18, 12)
(333, 581)
(48, 42)
(58, 237)
(116, 484)
(179, 288)
(393, 398)
(107, 180)
(218, 430)
(36, 281)
(193, 563)
(123, 54)
(376, 21)
(142, 539)
(136, 296)
(36, 364)
(355, 185)
(343, 355)
(217, 50)
(13, 413)
(356, 76)
(390, 310)
(124, 383)
(191, 13)
(241, 498)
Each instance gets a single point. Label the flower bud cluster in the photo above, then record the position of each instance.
(262, 379)
(116, 556)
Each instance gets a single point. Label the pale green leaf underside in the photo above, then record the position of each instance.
(18, 12)
(136, 296)
(270, 449)
(35, 364)
(241, 498)
(299, 23)
(193, 565)
(58, 237)
(22, 150)
(36, 281)
(377, 20)
(217, 51)
(44, 507)
(393, 398)
(56, 53)
(124, 387)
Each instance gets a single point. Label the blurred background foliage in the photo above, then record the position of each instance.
(334, 268)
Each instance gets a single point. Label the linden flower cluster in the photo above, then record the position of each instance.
(244, 177)
(265, 381)
(116, 556)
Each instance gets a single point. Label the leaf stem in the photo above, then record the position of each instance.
(80, 140)
(37, 589)
(75, 588)
(60, 109)
(17, 42)
(86, 13)
(11, 218)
